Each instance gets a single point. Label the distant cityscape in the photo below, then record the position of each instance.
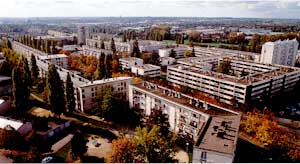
(149, 90)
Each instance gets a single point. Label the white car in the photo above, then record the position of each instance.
(47, 159)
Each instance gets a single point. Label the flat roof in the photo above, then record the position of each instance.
(97, 82)
(53, 56)
(13, 123)
(185, 101)
(130, 59)
(220, 135)
(147, 67)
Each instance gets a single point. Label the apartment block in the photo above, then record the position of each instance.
(194, 118)
(91, 51)
(258, 79)
(280, 52)
(148, 70)
(87, 94)
(127, 63)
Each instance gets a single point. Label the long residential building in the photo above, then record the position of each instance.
(248, 80)
(85, 94)
(194, 118)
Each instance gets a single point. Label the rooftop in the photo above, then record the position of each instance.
(147, 67)
(97, 82)
(220, 135)
(53, 56)
(130, 59)
(13, 123)
(185, 100)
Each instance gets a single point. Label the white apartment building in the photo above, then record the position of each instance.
(87, 94)
(91, 51)
(59, 33)
(260, 79)
(280, 52)
(193, 118)
(148, 70)
(127, 63)
(179, 51)
(83, 33)
(58, 59)
(165, 61)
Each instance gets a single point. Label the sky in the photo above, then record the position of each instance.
(184, 8)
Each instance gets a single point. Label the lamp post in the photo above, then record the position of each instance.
(187, 147)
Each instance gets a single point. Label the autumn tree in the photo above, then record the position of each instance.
(70, 98)
(56, 96)
(115, 63)
(123, 151)
(224, 67)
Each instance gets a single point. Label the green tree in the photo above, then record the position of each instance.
(78, 144)
(112, 45)
(101, 70)
(102, 45)
(136, 50)
(108, 66)
(26, 73)
(172, 53)
(70, 98)
(152, 147)
(20, 90)
(107, 102)
(160, 119)
(56, 96)
(34, 68)
(5, 69)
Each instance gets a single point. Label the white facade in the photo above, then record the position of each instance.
(87, 94)
(146, 70)
(179, 51)
(280, 52)
(165, 61)
(58, 59)
(127, 63)
(83, 34)
(91, 51)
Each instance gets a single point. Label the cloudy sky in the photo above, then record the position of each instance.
(196, 8)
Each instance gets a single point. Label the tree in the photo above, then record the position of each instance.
(187, 54)
(123, 151)
(115, 63)
(172, 53)
(154, 58)
(152, 147)
(108, 66)
(19, 91)
(112, 45)
(78, 144)
(102, 46)
(136, 50)
(101, 70)
(26, 73)
(70, 98)
(34, 68)
(56, 96)
(5, 69)
(160, 119)
(224, 67)
(107, 102)
(10, 139)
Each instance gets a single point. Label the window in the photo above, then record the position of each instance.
(83, 90)
(92, 89)
(203, 156)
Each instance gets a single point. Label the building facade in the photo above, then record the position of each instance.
(127, 63)
(280, 52)
(148, 70)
